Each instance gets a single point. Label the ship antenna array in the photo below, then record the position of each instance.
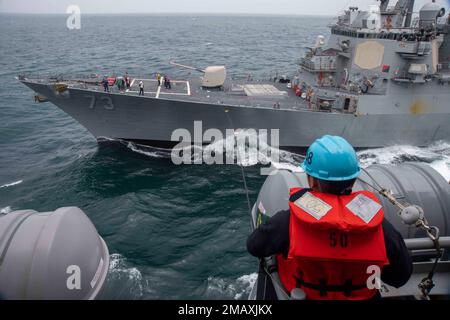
(412, 216)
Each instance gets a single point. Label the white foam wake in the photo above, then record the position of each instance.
(5, 210)
(148, 151)
(443, 167)
(437, 155)
(129, 278)
(11, 184)
(237, 289)
(397, 155)
(248, 154)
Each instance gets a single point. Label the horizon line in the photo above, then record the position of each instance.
(172, 13)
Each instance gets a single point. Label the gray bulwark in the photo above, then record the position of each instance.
(51, 256)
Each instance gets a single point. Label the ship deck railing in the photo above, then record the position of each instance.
(397, 34)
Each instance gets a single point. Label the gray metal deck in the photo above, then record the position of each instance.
(263, 94)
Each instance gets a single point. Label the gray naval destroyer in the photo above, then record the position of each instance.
(381, 79)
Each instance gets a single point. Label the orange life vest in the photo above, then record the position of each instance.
(333, 242)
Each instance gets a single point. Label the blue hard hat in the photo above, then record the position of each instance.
(332, 159)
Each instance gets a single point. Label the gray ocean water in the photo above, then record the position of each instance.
(174, 232)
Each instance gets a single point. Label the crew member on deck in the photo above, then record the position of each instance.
(105, 84)
(331, 236)
(158, 77)
(127, 80)
(141, 88)
(167, 83)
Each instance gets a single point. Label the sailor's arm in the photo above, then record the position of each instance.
(271, 238)
(399, 271)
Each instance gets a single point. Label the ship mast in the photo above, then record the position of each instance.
(384, 5)
(403, 8)
(409, 13)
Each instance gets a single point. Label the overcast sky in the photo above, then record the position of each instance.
(309, 7)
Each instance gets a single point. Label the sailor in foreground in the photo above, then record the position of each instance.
(332, 240)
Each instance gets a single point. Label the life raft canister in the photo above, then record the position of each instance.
(333, 242)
